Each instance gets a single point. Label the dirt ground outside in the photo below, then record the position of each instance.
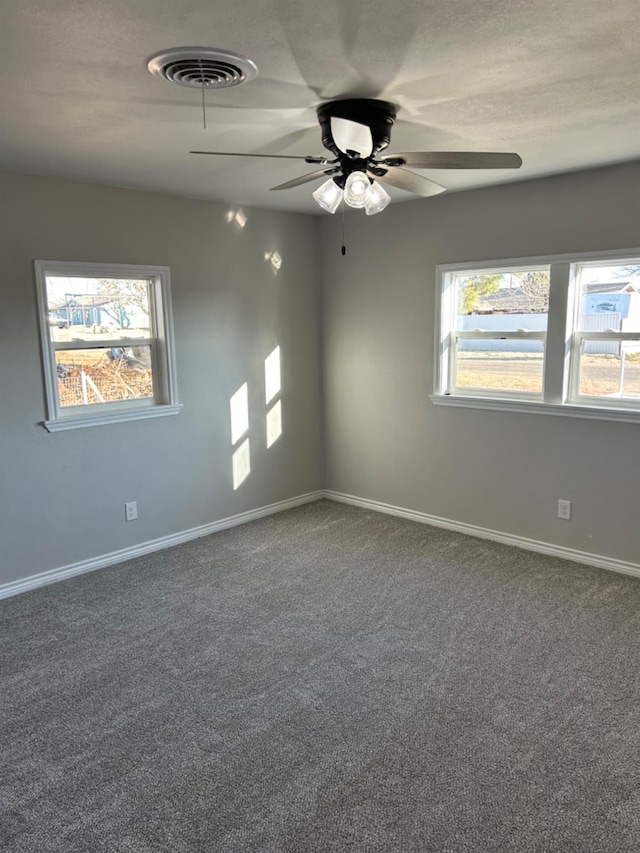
(109, 379)
(600, 375)
(116, 379)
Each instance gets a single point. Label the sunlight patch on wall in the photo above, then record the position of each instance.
(239, 410)
(272, 382)
(237, 216)
(274, 423)
(241, 464)
(274, 259)
(273, 387)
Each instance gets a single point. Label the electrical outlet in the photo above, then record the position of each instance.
(131, 510)
(564, 510)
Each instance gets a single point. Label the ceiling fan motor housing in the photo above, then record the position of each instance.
(378, 116)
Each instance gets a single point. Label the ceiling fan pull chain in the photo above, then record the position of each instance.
(344, 248)
(204, 111)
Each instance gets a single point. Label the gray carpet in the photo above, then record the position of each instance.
(326, 679)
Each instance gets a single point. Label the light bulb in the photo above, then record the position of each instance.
(356, 189)
(328, 196)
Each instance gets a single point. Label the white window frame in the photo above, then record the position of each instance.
(165, 398)
(562, 341)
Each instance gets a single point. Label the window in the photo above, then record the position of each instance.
(605, 354)
(555, 334)
(107, 343)
(499, 332)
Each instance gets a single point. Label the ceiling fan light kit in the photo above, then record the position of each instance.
(359, 191)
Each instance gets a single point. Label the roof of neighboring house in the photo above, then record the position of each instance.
(80, 302)
(518, 301)
(611, 287)
(512, 301)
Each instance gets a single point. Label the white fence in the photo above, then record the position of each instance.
(533, 323)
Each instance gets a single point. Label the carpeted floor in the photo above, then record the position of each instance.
(327, 679)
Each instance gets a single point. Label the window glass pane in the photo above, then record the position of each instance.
(103, 375)
(511, 365)
(98, 308)
(505, 300)
(609, 298)
(610, 369)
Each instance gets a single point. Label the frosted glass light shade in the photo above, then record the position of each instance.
(328, 196)
(356, 189)
(377, 199)
(352, 136)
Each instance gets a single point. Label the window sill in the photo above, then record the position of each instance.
(538, 408)
(111, 418)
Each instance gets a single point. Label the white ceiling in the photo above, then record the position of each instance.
(557, 81)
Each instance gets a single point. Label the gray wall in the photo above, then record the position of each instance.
(504, 471)
(63, 494)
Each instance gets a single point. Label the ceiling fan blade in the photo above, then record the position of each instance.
(352, 136)
(457, 160)
(409, 181)
(303, 179)
(273, 156)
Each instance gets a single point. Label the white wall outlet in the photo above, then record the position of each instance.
(131, 510)
(564, 510)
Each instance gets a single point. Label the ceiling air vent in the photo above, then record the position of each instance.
(202, 67)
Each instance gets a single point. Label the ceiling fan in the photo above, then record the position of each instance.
(356, 131)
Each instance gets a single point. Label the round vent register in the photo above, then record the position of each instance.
(202, 67)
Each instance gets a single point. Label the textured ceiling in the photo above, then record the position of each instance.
(557, 81)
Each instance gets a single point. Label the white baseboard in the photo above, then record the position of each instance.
(54, 575)
(602, 562)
